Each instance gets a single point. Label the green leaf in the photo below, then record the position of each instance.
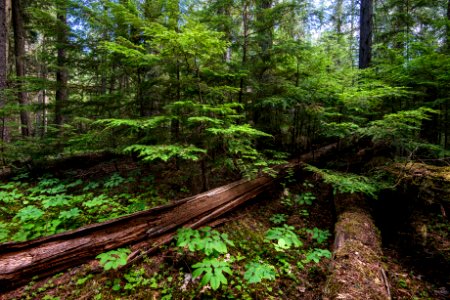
(29, 213)
(256, 272)
(285, 236)
(165, 152)
(70, 214)
(114, 258)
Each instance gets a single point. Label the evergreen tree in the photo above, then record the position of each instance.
(3, 70)
(365, 33)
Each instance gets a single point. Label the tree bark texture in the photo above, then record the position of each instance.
(244, 46)
(62, 92)
(19, 52)
(356, 269)
(365, 33)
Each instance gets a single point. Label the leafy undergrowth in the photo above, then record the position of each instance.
(34, 208)
(277, 247)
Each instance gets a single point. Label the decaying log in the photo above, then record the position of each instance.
(356, 269)
(49, 255)
(21, 261)
(432, 182)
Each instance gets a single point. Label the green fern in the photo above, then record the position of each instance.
(166, 152)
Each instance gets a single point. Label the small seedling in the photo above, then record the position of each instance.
(213, 269)
(306, 198)
(113, 259)
(256, 272)
(318, 234)
(278, 218)
(316, 254)
(285, 237)
(210, 242)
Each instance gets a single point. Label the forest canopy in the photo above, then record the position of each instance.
(235, 83)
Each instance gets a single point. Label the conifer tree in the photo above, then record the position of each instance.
(365, 33)
(3, 70)
(19, 51)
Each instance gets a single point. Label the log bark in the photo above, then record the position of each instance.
(4, 134)
(356, 270)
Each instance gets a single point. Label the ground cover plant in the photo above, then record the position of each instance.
(262, 259)
(48, 205)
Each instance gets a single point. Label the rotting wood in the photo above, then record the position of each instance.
(49, 255)
(356, 269)
(21, 261)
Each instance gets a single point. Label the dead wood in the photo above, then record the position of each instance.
(21, 261)
(432, 182)
(356, 270)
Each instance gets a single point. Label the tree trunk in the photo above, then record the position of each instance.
(338, 17)
(365, 33)
(244, 46)
(3, 67)
(62, 92)
(19, 51)
(447, 27)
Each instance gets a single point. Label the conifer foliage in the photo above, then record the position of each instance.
(226, 82)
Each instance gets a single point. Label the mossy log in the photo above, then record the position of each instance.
(356, 269)
(431, 182)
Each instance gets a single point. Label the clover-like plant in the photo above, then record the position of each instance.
(113, 259)
(285, 237)
(213, 270)
(256, 272)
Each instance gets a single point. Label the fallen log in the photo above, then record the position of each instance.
(20, 261)
(356, 269)
(431, 183)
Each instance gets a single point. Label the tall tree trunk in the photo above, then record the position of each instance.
(265, 33)
(338, 16)
(365, 33)
(19, 52)
(62, 92)
(41, 114)
(244, 46)
(3, 67)
(447, 27)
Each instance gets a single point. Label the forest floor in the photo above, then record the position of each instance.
(285, 270)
